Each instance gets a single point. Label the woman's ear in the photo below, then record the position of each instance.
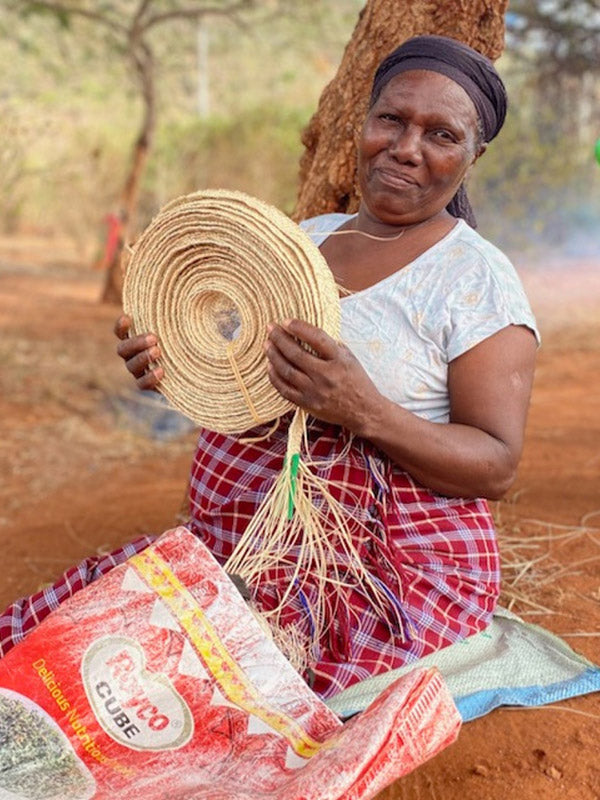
(480, 152)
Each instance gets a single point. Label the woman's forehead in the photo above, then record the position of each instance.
(429, 92)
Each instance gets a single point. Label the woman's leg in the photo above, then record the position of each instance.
(25, 614)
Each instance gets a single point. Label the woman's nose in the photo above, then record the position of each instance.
(407, 145)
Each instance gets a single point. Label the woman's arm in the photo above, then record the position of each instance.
(475, 455)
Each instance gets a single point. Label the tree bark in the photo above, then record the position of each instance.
(142, 58)
(328, 165)
(113, 285)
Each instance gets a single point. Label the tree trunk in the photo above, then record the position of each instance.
(328, 165)
(143, 61)
(113, 286)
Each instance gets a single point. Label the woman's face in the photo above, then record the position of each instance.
(417, 143)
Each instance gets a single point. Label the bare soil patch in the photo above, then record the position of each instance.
(78, 478)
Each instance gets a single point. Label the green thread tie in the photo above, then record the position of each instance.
(293, 480)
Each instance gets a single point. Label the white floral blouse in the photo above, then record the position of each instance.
(407, 328)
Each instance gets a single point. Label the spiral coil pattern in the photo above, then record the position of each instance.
(206, 276)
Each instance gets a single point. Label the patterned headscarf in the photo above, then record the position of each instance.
(469, 69)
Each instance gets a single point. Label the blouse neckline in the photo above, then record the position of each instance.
(406, 268)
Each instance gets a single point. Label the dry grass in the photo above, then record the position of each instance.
(535, 558)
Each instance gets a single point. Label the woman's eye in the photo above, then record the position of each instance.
(389, 117)
(444, 135)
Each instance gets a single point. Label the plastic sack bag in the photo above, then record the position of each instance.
(157, 681)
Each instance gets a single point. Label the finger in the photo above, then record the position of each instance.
(286, 369)
(141, 363)
(123, 326)
(150, 380)
(290, 349)
(128, 348)
(285, 390)
(316, 338)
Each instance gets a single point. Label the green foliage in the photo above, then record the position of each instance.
(69, 113)
(536, 187)
(263, 80)
(557, 38)
(256, 152)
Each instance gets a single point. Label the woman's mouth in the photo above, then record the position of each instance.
(397, 179)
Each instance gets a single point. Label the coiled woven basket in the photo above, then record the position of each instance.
(207, 275)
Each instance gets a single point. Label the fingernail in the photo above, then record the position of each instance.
(150, 340)
(154, 353)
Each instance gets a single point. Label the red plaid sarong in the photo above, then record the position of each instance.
(26, 613)
(434, 557)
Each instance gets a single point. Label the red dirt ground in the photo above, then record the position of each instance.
(75, 480)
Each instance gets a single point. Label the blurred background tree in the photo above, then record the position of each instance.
(232, 97)
(539, 187)
(328, 165)
(129, 30)
(558, 39)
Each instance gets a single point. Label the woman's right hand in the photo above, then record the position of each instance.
(140, 354)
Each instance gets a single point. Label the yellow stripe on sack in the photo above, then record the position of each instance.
(156, 573)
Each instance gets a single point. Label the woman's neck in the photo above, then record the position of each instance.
(366, 222)
(372, 250)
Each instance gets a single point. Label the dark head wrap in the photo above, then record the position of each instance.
(465, 66)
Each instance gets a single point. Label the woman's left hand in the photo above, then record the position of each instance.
(329, 383)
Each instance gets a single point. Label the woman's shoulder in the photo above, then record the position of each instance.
(466, 247)
(470, 258)
(482, 292)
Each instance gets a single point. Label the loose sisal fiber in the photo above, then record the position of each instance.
(207, 276)
(209, 261)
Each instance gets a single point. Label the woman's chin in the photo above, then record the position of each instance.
(397, 211)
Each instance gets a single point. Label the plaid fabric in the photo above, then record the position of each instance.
(23, 615)
(435, 558)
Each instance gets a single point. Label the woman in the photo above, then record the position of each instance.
(420, 413)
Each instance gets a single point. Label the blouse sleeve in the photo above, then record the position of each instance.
(485, 298)
(319, 228)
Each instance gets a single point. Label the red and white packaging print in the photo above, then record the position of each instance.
(158, 681)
